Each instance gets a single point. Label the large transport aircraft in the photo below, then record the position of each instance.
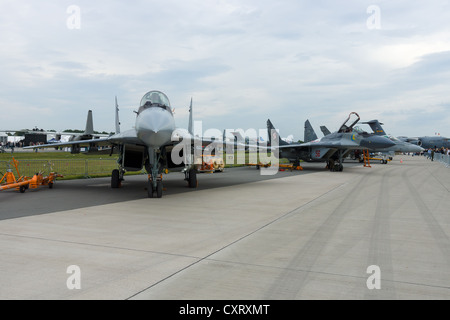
(154, 144)
(332, 148)
(429, 142)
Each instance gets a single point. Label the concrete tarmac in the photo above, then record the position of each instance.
(313, 234)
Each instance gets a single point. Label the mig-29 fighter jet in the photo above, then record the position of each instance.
(154, 144)
(332, 148)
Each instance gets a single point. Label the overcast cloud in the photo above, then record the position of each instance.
(242, 62)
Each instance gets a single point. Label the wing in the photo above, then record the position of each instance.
(127, 137)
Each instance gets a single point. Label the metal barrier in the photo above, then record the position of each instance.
(86, 168)
(442, 158)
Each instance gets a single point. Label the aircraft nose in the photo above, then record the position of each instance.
(376, 142)
(418, 149)
(154, 126)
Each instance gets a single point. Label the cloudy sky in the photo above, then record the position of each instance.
(242, 62)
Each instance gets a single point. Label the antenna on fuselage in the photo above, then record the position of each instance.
(117, 118)
(190, 128)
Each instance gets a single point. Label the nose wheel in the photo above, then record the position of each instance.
(191, 178)
(154, 191)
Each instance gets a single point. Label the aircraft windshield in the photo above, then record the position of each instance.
(154, 98)
(358, 129)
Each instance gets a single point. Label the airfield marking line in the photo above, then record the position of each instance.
(96, 245)
(327, 273)
(431, 173)
(313, 248)
(433, 225)
(238, 240)
(380, 251)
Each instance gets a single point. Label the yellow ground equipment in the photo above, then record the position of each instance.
(211, 164)
(22, 183)
(281, 166)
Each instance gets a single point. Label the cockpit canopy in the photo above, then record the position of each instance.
(154, 99)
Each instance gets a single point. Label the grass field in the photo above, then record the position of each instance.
(75, 166)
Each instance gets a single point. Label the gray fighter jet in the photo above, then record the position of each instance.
(399, 146)
(154, 144)
(332, 148)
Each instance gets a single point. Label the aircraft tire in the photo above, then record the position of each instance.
(159, 189)
(150, 189)
(192, 178)
(331, 165)
(115, 179)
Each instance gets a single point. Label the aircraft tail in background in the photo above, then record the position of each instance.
(275, 134)
(376, 127)
(89, 124)
(310, 134)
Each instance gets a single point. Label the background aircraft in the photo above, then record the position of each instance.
(330, 149)
(399, 146)
(429, 142)
(87, 134)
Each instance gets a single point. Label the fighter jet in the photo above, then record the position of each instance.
(332, 148)
(151, 144)
(400, 146)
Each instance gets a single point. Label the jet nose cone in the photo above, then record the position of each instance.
(418, 149)
(376, 142)
(154, 126)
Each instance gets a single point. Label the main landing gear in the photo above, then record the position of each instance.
(191, 177)
(117, 178)
(154, 170)
(336, 164)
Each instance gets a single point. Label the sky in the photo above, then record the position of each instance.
(242, 62)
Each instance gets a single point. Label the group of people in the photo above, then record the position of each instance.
(429, 153)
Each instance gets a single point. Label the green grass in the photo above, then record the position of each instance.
(51, 155)
(77, 166)
(71, 166)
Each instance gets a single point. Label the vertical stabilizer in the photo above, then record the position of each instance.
(89, 124)
(190, 127)
(117, 118)
(273, 134)
(325, 130)
(376, 127)
(309, 134)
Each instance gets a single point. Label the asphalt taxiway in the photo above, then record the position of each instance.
(311, 234)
